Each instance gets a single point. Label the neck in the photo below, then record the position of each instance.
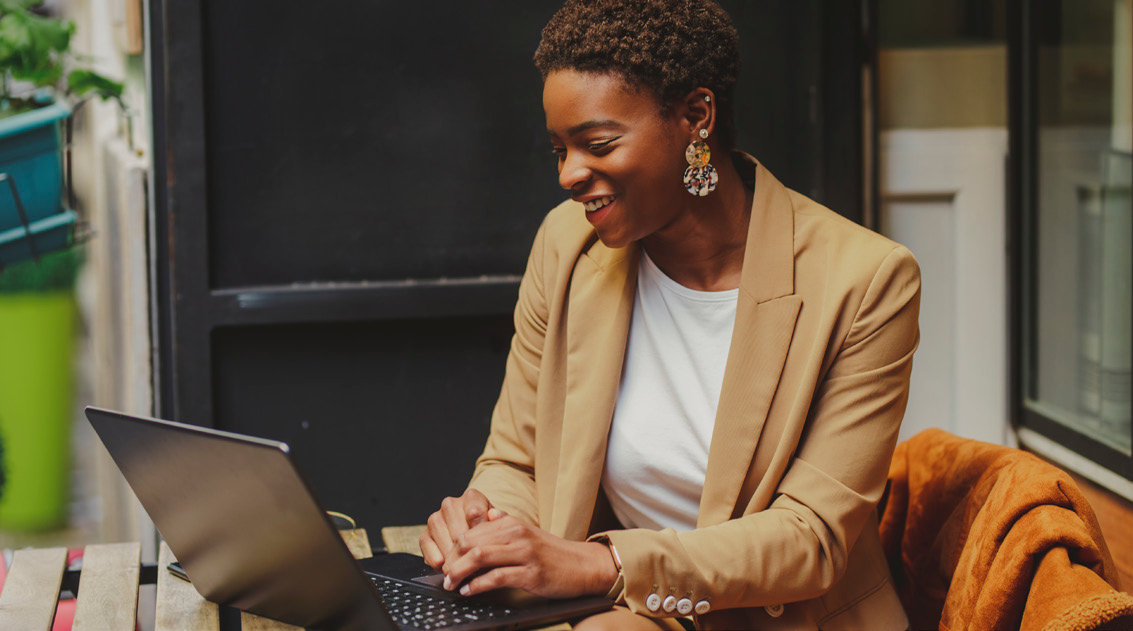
(704, 247)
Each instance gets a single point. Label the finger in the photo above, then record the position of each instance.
(452, 510)
(438, 531)
(495, 514)
(431, 552)
(509, 576)
(500, 531)
(504, 531)
(476, 506)
(478, 559)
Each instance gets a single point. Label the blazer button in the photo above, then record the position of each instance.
(684, 606)
(669, 604)
(702, 607)
(774, 610)
(653, 602)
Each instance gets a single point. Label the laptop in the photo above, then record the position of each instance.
(248, 530)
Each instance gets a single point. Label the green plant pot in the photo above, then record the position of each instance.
(37, 340)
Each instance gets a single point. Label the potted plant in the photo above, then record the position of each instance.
(36, 98)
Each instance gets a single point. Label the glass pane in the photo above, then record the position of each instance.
(1079, 281)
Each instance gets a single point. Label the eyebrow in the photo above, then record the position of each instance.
(581, 127)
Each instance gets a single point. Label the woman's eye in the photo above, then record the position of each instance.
(559, 151)
(599, 147)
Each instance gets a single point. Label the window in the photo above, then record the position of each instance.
(1070, 66)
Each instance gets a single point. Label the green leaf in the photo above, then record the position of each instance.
(18, 5)
(54, 271)
(30, 46)
(80, 82)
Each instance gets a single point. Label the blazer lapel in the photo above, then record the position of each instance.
(601, 305)
(766, 311)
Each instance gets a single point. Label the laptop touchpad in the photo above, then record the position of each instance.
(432, 580)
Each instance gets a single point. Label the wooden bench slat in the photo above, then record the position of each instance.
(31, 590)
(252, 622)
(108, 588)
(358, 542)
(179, 606)
(403, 538)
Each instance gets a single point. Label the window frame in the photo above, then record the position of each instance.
(1037, 432)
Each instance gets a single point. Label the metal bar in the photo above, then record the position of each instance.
(23, 215)
(323, 302)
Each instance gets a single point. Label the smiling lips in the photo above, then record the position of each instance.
(598, 204)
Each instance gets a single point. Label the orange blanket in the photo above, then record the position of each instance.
(988, 537)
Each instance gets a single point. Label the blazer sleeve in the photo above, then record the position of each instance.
(797, 547)
(505, 471)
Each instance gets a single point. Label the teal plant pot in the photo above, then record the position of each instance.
(31, 156)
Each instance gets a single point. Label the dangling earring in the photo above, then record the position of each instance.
(700, 177)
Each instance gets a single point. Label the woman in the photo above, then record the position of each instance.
(704, 391)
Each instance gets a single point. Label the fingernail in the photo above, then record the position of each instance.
(465, 590)
(448, 583)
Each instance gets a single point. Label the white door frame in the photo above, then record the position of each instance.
(954, 178)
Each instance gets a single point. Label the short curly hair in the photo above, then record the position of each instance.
(667, 47)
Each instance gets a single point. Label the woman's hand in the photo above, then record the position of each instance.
(456, 516)
(503, 551)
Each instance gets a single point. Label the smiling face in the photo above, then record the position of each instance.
(618, 154)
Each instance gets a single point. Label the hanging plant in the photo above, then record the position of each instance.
(34, 48)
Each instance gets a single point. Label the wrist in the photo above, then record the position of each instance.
(612, 578)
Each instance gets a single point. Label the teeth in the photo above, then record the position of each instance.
(594, 205)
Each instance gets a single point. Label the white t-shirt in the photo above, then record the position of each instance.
(657, 453)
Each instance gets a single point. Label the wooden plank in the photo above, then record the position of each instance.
(32, 589)
(1115, 516)
(108, 588)
(252, 622)
(403, 538)
(179, 606)
(358, 542)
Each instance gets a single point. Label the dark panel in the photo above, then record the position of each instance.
(777, 117)
(386, 418)
(845, 52)
(373, 141)
(410, 146)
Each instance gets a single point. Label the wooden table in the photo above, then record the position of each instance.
(107, 591)
(107, 588)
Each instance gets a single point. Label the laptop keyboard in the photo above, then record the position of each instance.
(422, 611)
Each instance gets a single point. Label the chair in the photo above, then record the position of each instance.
(981, 536)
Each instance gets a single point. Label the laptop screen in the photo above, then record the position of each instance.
(241, 519)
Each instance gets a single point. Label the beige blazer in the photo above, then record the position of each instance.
(814, 390)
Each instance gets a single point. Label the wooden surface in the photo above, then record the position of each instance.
(357, 542)
(179, 606)
(32, 589)
(1115, 516)
(403, 538)
(252, 622)
(109, 588)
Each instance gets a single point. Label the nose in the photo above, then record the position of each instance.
(573, 170)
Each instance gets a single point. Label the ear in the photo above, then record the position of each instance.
(699, 111)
